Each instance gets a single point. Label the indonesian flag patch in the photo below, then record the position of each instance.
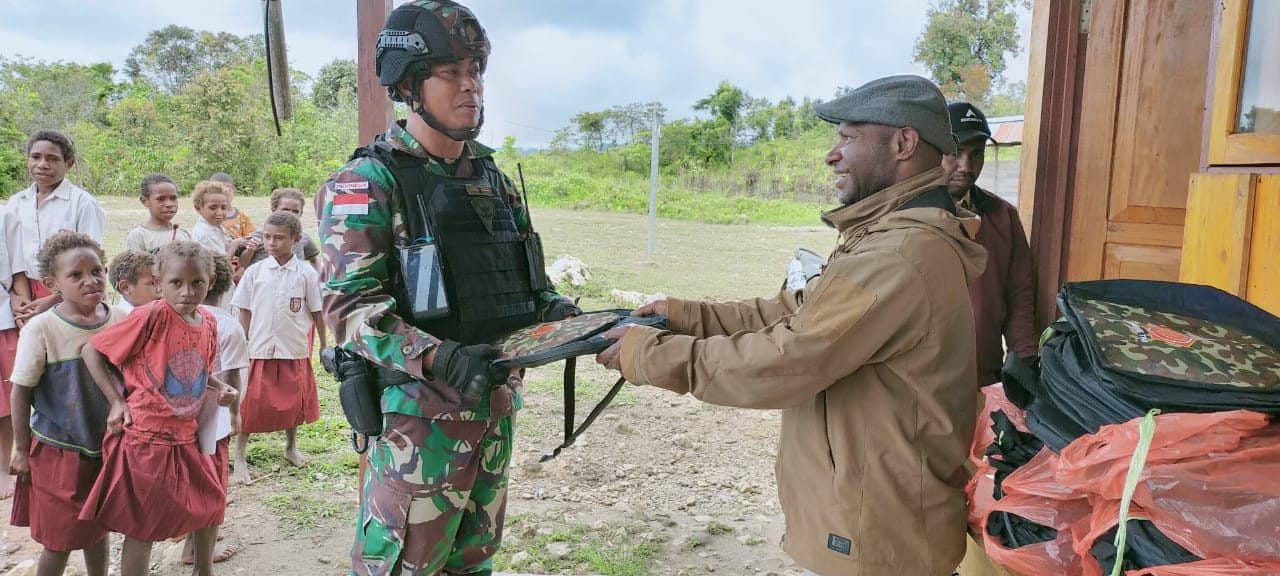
(351, 203)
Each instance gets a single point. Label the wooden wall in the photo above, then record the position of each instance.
(1233, 236)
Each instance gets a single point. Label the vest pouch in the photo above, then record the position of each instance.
(423, 281)
(537, 263)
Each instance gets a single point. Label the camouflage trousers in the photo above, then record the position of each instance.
(435, 494)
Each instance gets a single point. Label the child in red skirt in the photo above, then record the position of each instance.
(56, 401)
(155, 483)
(279, 302)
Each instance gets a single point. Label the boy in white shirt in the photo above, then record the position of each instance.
(50, 205)
(159, 195)
(279, 302)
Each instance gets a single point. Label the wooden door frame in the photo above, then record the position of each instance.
(1059, 44)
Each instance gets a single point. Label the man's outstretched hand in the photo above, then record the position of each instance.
(655, 308)
(611, 358)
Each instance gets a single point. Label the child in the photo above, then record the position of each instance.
(155, 483)
(11, 264)
(238, 224)
(160, 197)
(290, 200)
(279, 302)
(228, 372)
(212, 200)
(132, 276)
(50, 205)
(55, 400)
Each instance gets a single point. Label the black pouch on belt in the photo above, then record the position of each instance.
(360, 394)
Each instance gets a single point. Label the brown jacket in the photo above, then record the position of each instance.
(874, 364)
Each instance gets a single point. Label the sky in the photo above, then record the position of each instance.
(551, 58)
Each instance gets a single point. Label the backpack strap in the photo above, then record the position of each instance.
(571, 433)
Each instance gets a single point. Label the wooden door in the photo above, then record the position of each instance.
(1142, 107)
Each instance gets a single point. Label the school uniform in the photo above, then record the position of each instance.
(69, 207)
(68, 416)
(281, 299)
(155, 484)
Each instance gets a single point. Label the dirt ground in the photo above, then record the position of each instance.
(660, 485)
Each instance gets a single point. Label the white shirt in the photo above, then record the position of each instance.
(68, 208)
(281, 299)
(11, 263)
(233, 354)
(212, 237)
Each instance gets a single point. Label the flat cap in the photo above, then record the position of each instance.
(897, 101)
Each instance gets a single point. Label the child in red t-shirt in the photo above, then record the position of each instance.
(155, 483)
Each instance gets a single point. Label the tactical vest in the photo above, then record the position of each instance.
(491, 274)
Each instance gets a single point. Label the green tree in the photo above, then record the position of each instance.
(173, 56)
(1010, 101)
(727, 104)
(335, 82)
(965, 43)
(591, 127)
(56, 95)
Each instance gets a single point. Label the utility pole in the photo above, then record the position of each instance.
(653, 176)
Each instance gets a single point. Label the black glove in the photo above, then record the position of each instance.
(329, 360)
(560, 309)
(467, 369)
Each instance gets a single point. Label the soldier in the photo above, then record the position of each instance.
(424, 192)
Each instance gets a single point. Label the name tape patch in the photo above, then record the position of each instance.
(351, 204)
(361, 185)
(839, 544)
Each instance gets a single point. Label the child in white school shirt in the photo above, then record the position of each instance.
(279, 302)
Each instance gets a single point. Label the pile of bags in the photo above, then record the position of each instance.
(1057, 441)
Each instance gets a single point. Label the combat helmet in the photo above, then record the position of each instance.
(425, 32)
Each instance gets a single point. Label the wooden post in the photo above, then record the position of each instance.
(373, 107)
(375, 110)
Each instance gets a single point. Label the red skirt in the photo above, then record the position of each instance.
(281, 394)
(50, 502)
(8, 349)
(222, 459)
(154, 492)
(38, 289)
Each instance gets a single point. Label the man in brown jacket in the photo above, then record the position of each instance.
(873, 361)
(1003, 297)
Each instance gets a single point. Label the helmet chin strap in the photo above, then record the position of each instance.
(461, 135)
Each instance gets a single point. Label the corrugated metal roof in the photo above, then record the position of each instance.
(1006, 130)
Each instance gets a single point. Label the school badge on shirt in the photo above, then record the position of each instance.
(295, 305)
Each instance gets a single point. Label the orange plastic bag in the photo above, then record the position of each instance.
(1210, 482)
(1214, 567)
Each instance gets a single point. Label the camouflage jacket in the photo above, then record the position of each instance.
(358, 243)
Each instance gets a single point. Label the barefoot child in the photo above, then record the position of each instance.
(55, 400)
(131, 274)
(159, 195)
(228, 371)
(279, 302)
(155, 483)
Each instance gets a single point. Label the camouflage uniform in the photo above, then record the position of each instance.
(436, 486)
